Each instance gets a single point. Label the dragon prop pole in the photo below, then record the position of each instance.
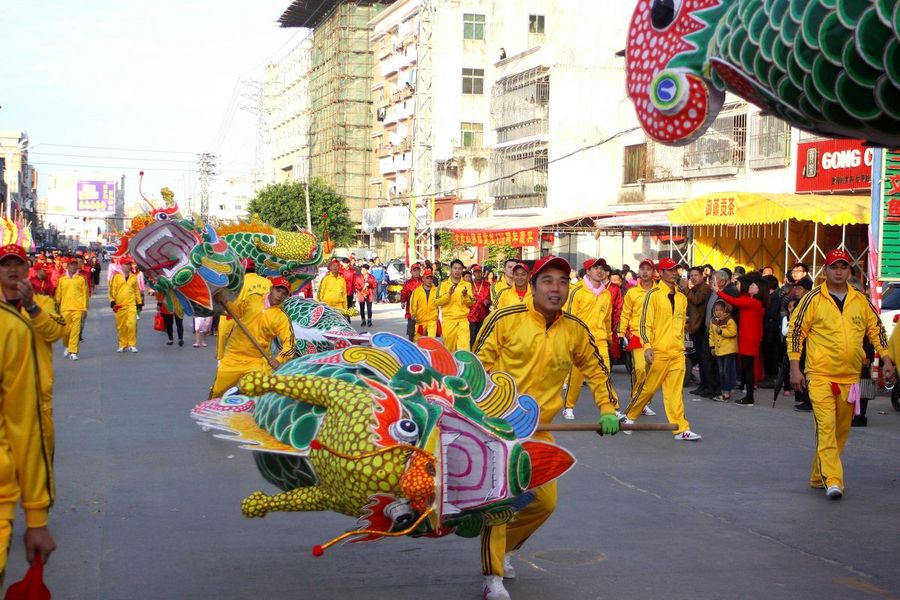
(596, 427)
(243, 327)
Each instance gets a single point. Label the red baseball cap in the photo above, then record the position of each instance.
(837, 255)
(591, 262)
(666, 264)
(521, 265)
(14, 250)
(334, 261)
(281, 282)
(476, 268)
(427, 273)
(551, 261)
(647, 261)
(415, 266)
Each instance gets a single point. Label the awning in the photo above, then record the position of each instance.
(747, 208)
(514, 231)
(639, 220)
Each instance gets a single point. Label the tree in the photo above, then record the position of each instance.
(447, 246)
(283, 205)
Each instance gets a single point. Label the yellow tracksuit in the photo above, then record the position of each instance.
(250, 301)
(893, 349)
(125, 293)
(27, 473)
(242, 357)
(455, 314)
(518, 341)
(499, 286)
(662, 330)
(510, 297)
(629, 325)
(72, 298)
(423, 308)
(723, 338)
(333, 291)
(834, 357)
(596, 312)
(49, 327)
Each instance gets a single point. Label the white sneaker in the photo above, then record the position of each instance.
(688, 435)
(139, 317)
(122, 349)
(626, 421)
(834, 492)
(65, 352)
(648, 412)
(493, 589)
(134, 349)
(569, 414)
(509, 571)
(620, 415)
(73, 357)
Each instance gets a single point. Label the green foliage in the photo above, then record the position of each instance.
(283, 205)
(496, 255)
(447, 246)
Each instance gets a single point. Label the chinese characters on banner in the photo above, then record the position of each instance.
(889, 231)
(509, 237)
(96, 196)
(720, 207)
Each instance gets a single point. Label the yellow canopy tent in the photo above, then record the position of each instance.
(757, 230)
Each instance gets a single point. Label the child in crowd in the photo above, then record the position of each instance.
(724, 346)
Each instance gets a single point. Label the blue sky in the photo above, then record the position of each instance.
(140, 75)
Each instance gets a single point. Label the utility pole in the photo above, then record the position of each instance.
(254, 96)
(421, 231)
(207, 169)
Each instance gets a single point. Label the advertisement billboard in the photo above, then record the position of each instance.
(886, 229)
(834, 166)
(96, 196)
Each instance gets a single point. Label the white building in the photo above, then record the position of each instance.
(287, 115)
(229, 198)
(79, 206)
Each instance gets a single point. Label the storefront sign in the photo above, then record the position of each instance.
(508, 237)
(888, 198)
(834, 166)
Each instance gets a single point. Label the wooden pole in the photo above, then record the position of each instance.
(596, 427)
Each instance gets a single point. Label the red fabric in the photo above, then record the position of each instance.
(349, 276)
(406, 292)
(750, 322)
(479, 310)
(32, 585)
(364, 292)
(43, 286)
(88, 278)
(161, 302)
(617, 300)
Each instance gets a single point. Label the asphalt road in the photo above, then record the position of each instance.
(148, 505)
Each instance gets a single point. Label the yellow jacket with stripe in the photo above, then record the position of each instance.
(594, 310)
(26, 471)
(893, 349)
(422, 308)
(124, 292)
(834, 338)
(266, 326)
(49, 327)
(518, 340)
(632, 309)
(250, 301)
(662, 321)
(72, 292)
(723, 338)
(499, 286)
(510, 297)
(455, 305)
(333, 291)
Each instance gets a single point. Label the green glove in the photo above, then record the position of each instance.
(609, 424)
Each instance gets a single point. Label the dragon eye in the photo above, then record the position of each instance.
(662, 13)
(669, 91)
(400, 512)
(161, 216)
(405, 430)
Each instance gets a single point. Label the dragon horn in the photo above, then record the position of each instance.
(141, 190)
(320, 391)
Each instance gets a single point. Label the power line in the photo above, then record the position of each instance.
(113, 157)
(123, 167)
(114, 148)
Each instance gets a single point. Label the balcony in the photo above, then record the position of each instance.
(395, 163)
(392, 64)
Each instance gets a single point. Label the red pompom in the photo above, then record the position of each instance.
(141, 173)
(318, 551)
(315, 445)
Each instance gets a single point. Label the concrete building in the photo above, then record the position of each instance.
(78, 207)
(229, 198)
(286, 104)
(18, 179)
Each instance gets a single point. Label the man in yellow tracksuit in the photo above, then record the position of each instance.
(72, 297)
(832, 320)
(250, 301)
(538, 344)
(504, 282)
(28, 473)
(333, 288)
(662, 338)
(629, 326)
(455, 297)
(520, 290)
(267, 326)
(590, 301)
(124, 294)
(423, 307)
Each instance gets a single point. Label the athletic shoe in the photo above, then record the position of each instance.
(626, 421)
(688, 436)
(620, 415)
(493, 589)
(73, 356)
(744, 401)
(648, 412)
(834, 492)
(370, 322)
(803, 406)
(169, 343)
(509, 571)
(134, 349)
(139, 317)
(65, 352)
(568, 413)
(121, 349)
(722, 398)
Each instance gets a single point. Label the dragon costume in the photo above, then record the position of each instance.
(827, 66)
(318, 328)
(409, 439)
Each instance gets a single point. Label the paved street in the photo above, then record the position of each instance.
(148, 505)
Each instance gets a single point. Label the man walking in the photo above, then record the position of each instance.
(333, 289)
(455, 298)
(629, 326)
(123, 299)
(406, 292)
(480, 310)
(504, 282)
(697, 298)
(832, 320)
(423, 308)
(72, 297)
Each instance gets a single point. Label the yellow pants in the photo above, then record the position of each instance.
(73, 329)
(430, 328)
(576, 379)
(225, 327)
(456, 334)
(833, 415)
(126, 326)
(666, 372)
(230, 372)
(5, 539)
(638, 370)
(496, 541)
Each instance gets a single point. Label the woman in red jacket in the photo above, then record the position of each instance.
(365, 293)
(751, 305)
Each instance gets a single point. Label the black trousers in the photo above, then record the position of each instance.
(169, 320)
(709, 376)
(474, 328)
(747, 375)
(362, 310)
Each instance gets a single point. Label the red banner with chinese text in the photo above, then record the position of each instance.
(506, 237)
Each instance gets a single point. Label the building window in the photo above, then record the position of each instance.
(635, 164)
(721, 148)
(535, 23)
(770, 142)
(473, 81)
(472, 135)
(473, 26)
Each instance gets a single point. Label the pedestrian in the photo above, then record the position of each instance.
(629, 327)
(535, 343)
(349, 274)
(139, 301)
(41, 282)
(697, 295)
(467, 276)
(380, 274)
(123, 299)
(723, 345)
(519, 292)
(772, 348)
(504, 282)
(333, 289)
(661, 333)
(72, 297)
(832, 320)
(250, 302)
(481, 291)
(364, 285)
(455, 298)
(423, 307)
(202, 328)
(751, 306)
(25, 449)
(409, 286)
(171, 321)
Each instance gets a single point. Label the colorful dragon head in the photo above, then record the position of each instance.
(408, 438)
(319, 328)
